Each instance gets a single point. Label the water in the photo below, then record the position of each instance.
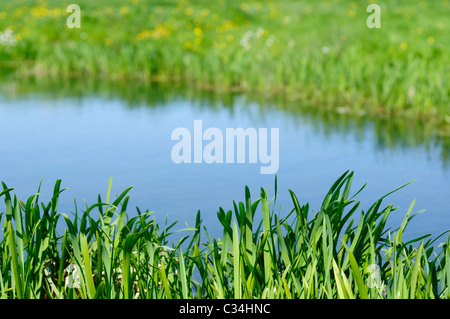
(84, 132)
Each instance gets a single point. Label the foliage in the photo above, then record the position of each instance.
(320, 53)
(328, 254)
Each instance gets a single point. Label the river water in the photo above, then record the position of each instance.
(85, 132)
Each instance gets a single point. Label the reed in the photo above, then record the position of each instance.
(340, 251)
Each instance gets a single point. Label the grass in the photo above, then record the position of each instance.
(320, 53)
(338, 252)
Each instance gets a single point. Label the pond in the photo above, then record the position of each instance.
(84, 132)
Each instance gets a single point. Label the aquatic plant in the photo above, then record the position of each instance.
(339, 251)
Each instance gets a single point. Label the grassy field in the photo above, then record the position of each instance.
(338, 251)
(320, 53)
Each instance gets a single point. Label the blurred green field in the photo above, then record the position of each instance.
(320, 53)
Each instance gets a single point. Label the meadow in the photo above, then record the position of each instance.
(338, 251)
(316, 53)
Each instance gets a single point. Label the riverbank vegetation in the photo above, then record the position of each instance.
(319, 53)
(337, 251)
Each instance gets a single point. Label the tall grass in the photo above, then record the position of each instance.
(320, 53)
(338, 252)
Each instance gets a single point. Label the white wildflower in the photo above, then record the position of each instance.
(260, 32)
(245, 41)
(270, 41)
(7, 38)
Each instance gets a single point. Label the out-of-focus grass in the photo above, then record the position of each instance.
(321, 52)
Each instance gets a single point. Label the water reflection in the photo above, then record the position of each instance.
(388, 133)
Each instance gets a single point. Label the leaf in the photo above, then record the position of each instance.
(87, 267)
(357, 274)
(236, 263)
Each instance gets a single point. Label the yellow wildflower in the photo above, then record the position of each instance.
(18, 12)
(160, 31)
(273, 13)
(204, 12)
(227, 25)
(143, 35)
(198, 32)
(124, 10)
(38, 12)
(187, 45)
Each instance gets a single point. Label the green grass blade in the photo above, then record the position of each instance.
(17, 275)
(236, 263)
(362, 289)
(415, 271)
(87, 266)
(183, 278)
